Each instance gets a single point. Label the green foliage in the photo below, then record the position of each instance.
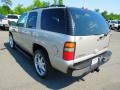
(45, 4)
(19, 9)
(40, 4)
(109, 16)
(112, 16)
(28, 8)
(55, 2)
(6, 2)
(5, 10)
(37, 4)
(104, 14)
(60, 2)
(97, 10)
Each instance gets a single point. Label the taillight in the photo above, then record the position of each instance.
(69, 51)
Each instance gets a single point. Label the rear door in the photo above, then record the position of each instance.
(90, 31)
(28, 32)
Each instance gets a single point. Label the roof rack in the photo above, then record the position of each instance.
(35, 8)
(49, 6)
(53, 5)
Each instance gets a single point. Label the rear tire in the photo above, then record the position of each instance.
(41, 63)
(11, 42)
(118, 29)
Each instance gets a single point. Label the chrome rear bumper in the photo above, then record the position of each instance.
(87, 66)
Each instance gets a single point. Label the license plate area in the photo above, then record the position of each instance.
(95, 61)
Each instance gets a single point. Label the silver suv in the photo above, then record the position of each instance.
(72, 40)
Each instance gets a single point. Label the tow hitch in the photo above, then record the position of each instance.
(95, 70)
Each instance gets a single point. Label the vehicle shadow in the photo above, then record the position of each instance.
(2, 29)
(55, 81)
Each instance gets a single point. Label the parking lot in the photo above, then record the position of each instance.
(17, 71)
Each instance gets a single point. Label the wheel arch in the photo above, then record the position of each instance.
(37, 46)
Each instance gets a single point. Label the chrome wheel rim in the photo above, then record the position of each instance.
(11, 41)
(40, 64)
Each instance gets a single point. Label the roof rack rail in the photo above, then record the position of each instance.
(53, 5)
(49, 6)
(35, 8)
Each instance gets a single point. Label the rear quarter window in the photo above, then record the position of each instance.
(55, 20)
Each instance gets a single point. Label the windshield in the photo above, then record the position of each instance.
(12, 17)
(86, 22)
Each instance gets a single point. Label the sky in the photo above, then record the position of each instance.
(112, 6)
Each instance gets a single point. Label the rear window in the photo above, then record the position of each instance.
(86, 22)
(12, 17)
(55, 20)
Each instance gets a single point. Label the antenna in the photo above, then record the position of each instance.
(84, 3)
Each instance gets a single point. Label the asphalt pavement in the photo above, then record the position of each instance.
(17, 71)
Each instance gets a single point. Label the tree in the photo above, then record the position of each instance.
(29, 8)
(97, 10)
(37, 4)
(55, 2)
(104, 14)
(45, 4)
(6, 2)
(40, 4)
(60, 2)
(5, 10)
(19, 9)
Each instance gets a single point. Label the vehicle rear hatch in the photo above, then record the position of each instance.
(90, 31)
(5, 21)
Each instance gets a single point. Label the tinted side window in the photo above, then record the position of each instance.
(32, 20)
(22, 20)
(54, 20)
